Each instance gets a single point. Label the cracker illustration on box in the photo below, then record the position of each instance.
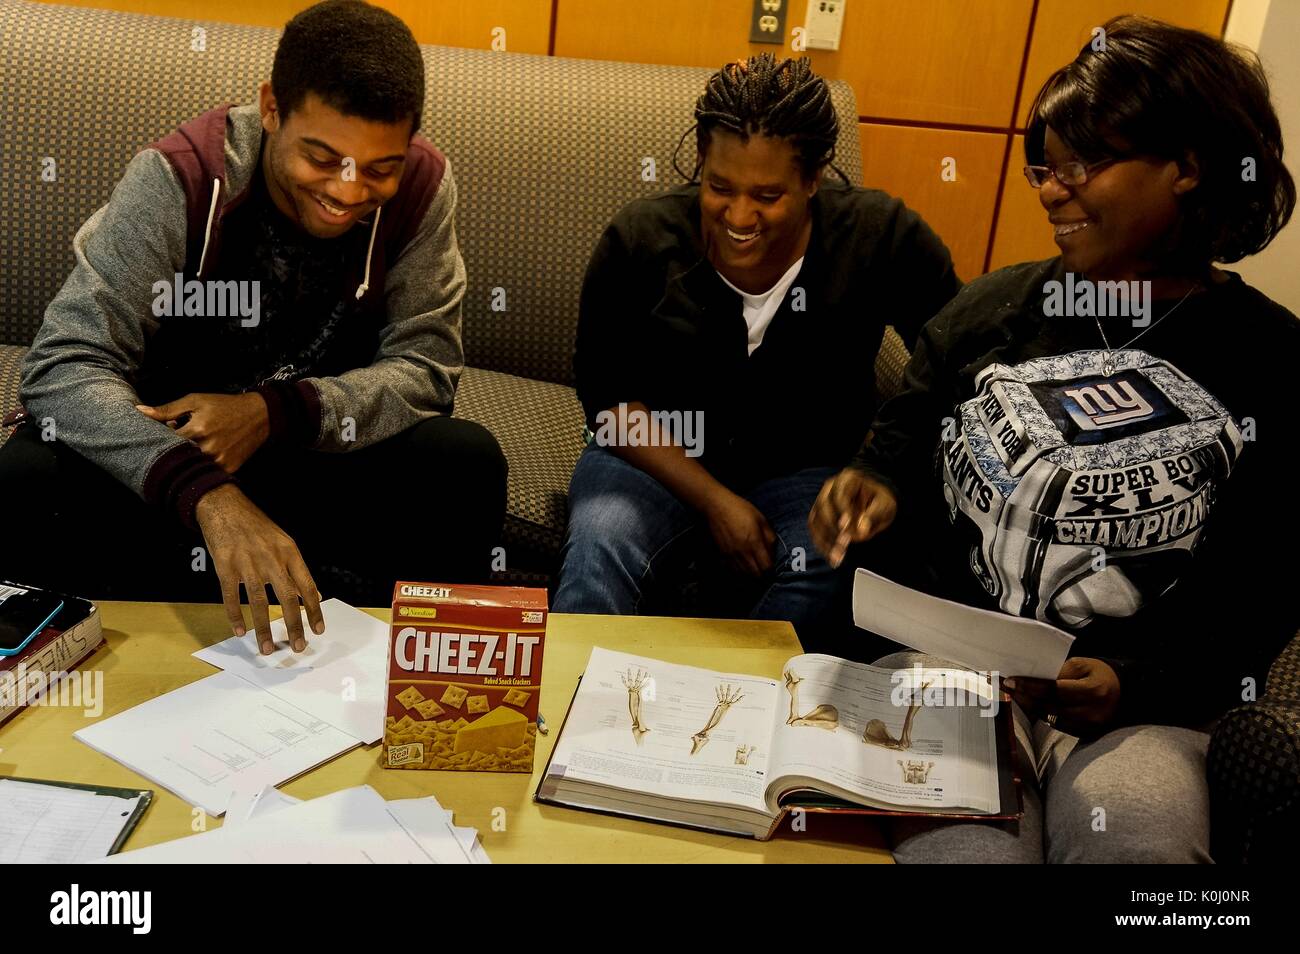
(409, 696)
(468, 661)
(517, 698)
(430, 709)
(454, 696)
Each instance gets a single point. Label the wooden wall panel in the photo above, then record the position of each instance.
(908, 162)
(1023, 233)
(921, 63)
(445, 22)
(949, 61)
(1062, 27)
(527, 23)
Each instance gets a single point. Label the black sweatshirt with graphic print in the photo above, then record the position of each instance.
(1185, 657)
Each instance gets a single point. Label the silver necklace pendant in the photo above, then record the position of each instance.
(1108, 362)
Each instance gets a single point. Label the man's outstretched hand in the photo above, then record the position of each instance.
(248, 548)
(229, 428)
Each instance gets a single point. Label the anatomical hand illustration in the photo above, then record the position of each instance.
(824, 716)
(727, 697)
(634, 680)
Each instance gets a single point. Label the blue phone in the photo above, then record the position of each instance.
(23, 614)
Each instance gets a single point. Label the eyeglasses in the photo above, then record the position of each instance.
(1073, 173)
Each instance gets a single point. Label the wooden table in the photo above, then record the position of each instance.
(147, 653)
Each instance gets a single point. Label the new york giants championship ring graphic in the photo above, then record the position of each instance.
(1085, 494)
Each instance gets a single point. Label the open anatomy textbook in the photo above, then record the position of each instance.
(733, 753)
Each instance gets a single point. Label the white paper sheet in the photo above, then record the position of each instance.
(211, 738)
(429, 824)
(353, 826)
(976, 638)
(253, 803)
(340, 678)
(478, 854)
(48, 824)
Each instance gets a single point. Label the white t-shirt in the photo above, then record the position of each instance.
(759, 309)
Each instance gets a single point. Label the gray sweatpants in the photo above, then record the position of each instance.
(1135, 795)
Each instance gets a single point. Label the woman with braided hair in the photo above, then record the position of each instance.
(726, 340)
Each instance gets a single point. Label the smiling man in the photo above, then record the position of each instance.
(745, 309)
(257, 352)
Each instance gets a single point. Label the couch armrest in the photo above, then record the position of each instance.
(1253, 769)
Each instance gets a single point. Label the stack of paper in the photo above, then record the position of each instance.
(265, 720)
(354, 826)
(414, 814)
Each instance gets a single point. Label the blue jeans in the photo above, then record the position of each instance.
(633, 548)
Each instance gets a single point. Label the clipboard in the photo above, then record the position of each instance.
(144, 794)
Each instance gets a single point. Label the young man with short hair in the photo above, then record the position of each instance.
(261, 339)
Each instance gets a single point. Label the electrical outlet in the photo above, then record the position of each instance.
(823, 24)
(767, 24)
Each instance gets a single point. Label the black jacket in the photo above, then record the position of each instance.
(658, 325)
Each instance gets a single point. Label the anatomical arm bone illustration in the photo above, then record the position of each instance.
(727, 697)
(634, 680)
(824, 716)
(877, 733)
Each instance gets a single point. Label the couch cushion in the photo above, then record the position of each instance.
(539, 426)
(11, 357)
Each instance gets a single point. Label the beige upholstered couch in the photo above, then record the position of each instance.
(545, 151)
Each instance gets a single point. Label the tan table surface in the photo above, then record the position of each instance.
(147, 653)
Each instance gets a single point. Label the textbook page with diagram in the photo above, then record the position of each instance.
(731, 753)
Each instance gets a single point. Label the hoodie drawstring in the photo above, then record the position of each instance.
(212, 214)
(207, 232)
(365, 280)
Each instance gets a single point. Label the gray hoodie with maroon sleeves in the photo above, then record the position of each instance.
(349, 340)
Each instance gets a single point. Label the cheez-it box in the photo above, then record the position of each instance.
(464, 677)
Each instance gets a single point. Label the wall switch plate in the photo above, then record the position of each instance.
(767, 23)
(823, 24)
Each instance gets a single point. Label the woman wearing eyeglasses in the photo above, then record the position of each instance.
(1103, 441)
